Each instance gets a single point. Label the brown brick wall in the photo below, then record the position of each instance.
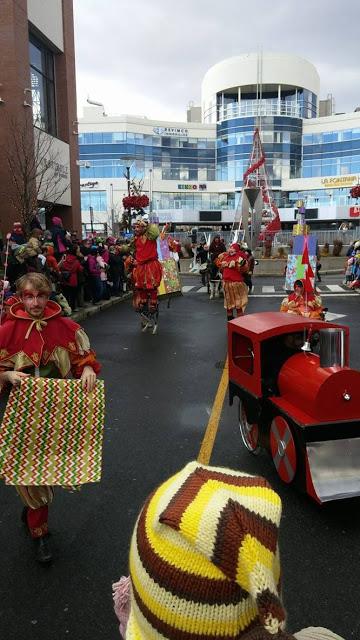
(15, 77)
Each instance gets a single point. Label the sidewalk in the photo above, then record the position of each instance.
(92, 309)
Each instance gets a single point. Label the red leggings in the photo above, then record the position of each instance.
(37, 521)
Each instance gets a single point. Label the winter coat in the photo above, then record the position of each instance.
(71, 265)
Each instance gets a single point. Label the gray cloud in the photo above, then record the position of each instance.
(154, 54)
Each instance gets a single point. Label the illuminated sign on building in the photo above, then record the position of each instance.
(192, 187)
(339, 181)
(355, 212)
(171, 131)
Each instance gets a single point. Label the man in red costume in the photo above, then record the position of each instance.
(233, 266)
(37, 340)
(146, 270)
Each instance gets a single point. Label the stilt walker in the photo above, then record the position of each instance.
(146, 272)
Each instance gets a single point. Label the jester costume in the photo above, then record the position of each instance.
(302, 303)
(233, 266)
(146, 270)
(52, 347)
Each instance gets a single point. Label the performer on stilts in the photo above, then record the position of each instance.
(37, 341)
(146, 271)
(233, 266)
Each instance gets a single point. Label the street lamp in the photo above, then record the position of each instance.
(112, 207)
(150, 190)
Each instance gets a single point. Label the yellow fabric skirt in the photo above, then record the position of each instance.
(235, 295)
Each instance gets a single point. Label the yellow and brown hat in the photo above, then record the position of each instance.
(204, 560)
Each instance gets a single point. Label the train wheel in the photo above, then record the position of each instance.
(249, 431)
(283, 449)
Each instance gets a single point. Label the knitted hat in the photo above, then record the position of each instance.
(204, 560)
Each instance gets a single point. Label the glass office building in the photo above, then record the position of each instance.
(193, 171)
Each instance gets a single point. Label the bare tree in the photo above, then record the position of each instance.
(37, 173)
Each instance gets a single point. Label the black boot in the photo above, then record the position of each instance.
(42, 550)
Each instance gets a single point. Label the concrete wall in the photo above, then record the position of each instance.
(46, 17)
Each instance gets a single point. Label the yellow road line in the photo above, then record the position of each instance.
(207, 444)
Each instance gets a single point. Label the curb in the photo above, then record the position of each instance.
(257, 274)
(94, 309)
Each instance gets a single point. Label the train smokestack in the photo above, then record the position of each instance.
(332, 348)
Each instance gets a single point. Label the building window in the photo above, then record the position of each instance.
(42, 86)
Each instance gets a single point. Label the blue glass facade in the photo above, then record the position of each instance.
(282, 142)
(169, 157)
(331, 153)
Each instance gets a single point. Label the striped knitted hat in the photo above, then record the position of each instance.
(204, 561)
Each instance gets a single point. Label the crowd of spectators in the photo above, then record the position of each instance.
(81, 271)
(352, 266)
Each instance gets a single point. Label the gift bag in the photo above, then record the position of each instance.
(52, 433)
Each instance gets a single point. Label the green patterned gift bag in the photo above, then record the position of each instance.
(52, 433)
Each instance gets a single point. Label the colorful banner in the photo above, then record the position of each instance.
(163, 248)
(295, 270)
(52, 433)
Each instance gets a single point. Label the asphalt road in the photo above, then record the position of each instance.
(160, 391)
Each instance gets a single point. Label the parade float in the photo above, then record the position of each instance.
(298, 400)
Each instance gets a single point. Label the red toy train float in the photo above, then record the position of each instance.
(298, 399)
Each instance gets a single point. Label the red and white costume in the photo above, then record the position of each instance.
(53, 347)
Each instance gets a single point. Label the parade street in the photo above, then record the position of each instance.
(160, 391)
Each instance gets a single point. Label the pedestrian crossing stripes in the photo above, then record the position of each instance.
(279, 290)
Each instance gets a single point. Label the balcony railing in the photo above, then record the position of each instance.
(259, 108)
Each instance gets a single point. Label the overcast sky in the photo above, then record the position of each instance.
(148, 57)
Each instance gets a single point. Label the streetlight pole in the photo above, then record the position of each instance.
(91, 209)
(112, 206)
(128, 190)
(150, 190)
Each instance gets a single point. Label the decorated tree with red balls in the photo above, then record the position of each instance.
(355, 191)
(136, 202)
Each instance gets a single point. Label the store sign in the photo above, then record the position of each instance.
(355, 212)
(192, 187)
(340, 181)
(171, 131)
(88, 185)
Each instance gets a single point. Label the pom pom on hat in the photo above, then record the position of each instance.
(204, 559)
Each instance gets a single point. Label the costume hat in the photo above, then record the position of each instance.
(204, 561)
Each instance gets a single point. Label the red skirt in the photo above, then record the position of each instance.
(147, 275)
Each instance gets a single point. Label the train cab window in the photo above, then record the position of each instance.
(243, 353)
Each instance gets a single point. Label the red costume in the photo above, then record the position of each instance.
(146, 268)
(233, 265)
(302, 303)
(51, 346)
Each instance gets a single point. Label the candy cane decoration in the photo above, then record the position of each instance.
(5, 272)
